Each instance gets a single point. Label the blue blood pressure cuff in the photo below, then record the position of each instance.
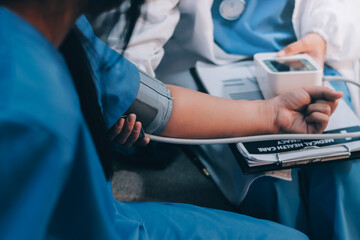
(153, 104)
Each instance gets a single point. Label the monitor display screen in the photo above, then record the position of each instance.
(289, 65)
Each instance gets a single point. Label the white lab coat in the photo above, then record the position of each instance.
(337, 21)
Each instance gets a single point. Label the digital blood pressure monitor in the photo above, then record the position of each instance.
(279, 75)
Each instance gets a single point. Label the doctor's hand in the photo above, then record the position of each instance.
(126, 131)
(312, 44)
(305, 110)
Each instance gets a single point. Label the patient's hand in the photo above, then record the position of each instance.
(305, 110)
(126, 131)
(312, 44)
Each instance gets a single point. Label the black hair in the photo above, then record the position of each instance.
(131, 16)
(73, 50)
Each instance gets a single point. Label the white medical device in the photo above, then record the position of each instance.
(279, 75)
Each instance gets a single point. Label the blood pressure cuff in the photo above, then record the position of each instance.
(153, 104)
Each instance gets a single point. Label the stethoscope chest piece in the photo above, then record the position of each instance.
(232, 9)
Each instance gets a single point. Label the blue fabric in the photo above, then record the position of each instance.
(339, 86)
(114, 71)
(321, 201)
(51, 181)
(264, 26)
(183, 221)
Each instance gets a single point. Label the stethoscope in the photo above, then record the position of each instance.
(232, 9)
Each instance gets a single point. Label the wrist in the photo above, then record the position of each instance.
(269, 110)
(320, 34)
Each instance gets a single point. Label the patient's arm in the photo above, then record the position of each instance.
(198, 115)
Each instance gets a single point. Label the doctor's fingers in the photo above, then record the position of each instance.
(300, 46)
(312, 44)
(126, 130)
(134, 137)
(293, 48)
(116, 128)
(316, 122)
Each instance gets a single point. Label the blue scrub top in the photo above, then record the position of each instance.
(116, 78)
(264, 26)
(51, 181)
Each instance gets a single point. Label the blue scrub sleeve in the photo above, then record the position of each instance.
(116, 78)
(33, 170)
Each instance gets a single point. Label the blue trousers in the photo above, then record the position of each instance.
(321, 201)
(184, 221)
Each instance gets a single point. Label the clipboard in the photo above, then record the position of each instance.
(238, 81)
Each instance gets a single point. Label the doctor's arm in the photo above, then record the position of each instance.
(329, 23)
